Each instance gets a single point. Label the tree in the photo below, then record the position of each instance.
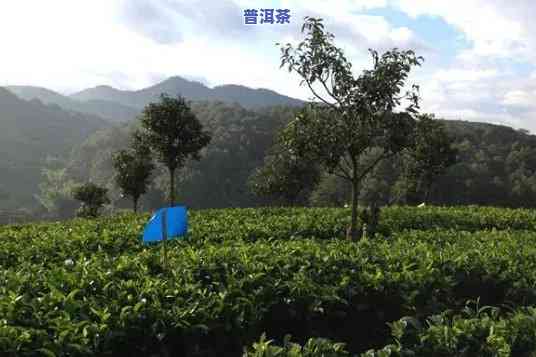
(331, 191)
(174, 134)
(134, 167)
(285, 176)
(430, 156)
(56, 193)
(352, 116)
(92, 197)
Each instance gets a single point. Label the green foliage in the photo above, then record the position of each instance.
(240, 139)
(93, 197)
(481, 332)
(285, 175)
(174, 134)
(134, 168)
(429, 157)
(56, 194)
(474, 332)
(29, 132)
(356, 115)
(493, 160)
(331, 191)
(89, 287)
(313, 348)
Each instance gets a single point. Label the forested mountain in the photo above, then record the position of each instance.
(247, 97)
(496, 164)
(121, 106)
(240, 138)
(31, 131)
(107, 109)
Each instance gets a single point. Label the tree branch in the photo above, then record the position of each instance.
(330, 93)
(344, 171)
(341, 176)
(371, 167)
(346, 162)
(313, 91)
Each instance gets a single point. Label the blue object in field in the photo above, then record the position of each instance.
(166, 223)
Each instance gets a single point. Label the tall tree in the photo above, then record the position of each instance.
(174, 134)
(134, 167)
(93, 197)
(285, 176)
(430, 156)
(352, 117)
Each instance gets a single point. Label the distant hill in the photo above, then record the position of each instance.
(120, 106)
(31, 131)
(497, 163)
(247, 97)
(107, 109)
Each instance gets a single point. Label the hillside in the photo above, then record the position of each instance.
(240, 138)
(496, 165)
(247, 97)
(107, 109)
(31, 131)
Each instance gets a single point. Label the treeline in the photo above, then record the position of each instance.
(239, 141)
(496, 166)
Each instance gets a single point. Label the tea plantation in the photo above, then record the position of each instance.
(274, 282)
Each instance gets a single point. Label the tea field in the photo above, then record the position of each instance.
(435, 281)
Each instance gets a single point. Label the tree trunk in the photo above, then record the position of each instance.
(291, 201)
(427, 190)
(135, 204)
(355, 196)
(171, 187)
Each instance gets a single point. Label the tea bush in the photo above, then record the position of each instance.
(89, 287)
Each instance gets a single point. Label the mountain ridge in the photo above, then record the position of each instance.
(109, 110)
(30, 132)
(249, 98)
(117, 105)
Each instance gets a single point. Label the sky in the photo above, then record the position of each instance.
(480, 55)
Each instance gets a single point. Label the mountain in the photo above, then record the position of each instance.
(497, 163)
(31, 131)
(240, 138)
(46, 96)
(255, 98)
(120, 106)
(107, 109)
(247, 97)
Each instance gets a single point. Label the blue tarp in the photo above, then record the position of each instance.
(166, 223)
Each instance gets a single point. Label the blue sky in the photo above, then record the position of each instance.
(480, 55)
(433, 30)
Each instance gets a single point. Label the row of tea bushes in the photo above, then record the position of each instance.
(327, 223)
(121, 233)
(482, 333)
(222, 297)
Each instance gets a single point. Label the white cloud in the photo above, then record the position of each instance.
(520, 98)
(70, 45)
(486, 81)
(496, 28)
(465, 75)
